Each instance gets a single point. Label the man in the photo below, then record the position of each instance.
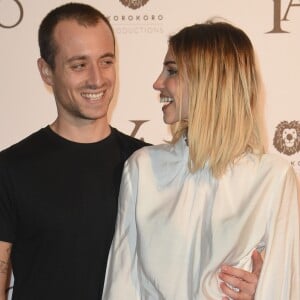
(59, 186)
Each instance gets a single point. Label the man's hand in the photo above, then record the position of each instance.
(5, 249)
(244, 283)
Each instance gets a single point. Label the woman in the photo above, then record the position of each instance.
(212, 195)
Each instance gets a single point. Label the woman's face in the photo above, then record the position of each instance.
(168, 85)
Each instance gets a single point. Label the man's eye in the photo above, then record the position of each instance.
(107, 62)
(78, 67)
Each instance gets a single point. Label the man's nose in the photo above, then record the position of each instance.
(95, 75)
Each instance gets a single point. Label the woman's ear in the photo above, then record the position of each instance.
(45, 71)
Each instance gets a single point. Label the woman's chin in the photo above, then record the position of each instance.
(168, 120)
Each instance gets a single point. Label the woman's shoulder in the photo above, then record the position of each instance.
(266, 160)
(271, 165)
(263, 166)
(150, 152)
(275, 161)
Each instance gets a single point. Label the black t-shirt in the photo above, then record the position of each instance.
(58, 204)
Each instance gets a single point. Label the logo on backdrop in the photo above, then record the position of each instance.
(287, 137)
(137, 126)
(137, 22)
(11, 13)
(280, 15)
(134, 4)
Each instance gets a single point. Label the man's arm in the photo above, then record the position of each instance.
(245, 283)
(5, 249)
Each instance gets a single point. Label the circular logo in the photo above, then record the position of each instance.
(18, 18)
(134, 4)
(287, 137)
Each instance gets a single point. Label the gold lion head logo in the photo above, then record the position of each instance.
(287, 137)
(134, 4)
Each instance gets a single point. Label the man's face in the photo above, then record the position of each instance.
(84, 76)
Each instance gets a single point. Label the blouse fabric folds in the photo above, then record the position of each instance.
(175, 229)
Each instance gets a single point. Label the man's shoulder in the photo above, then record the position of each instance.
(128, 144)
(129, 140)
(24, 146)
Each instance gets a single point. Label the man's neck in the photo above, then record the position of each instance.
(90, 132)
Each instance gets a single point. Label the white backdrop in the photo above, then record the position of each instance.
(142, 32)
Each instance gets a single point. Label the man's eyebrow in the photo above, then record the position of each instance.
(84, 57)
(78, 57)
(108, 54)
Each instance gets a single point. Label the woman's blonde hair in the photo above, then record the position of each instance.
(216, 65)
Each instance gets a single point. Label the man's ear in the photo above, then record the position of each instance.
(45, 71)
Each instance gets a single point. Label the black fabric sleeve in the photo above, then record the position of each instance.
(7, 214)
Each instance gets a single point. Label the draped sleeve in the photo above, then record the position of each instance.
(279, 278)
(121, 275)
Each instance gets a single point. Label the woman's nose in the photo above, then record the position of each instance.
(158, 83)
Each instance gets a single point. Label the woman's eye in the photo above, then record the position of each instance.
(172, 72)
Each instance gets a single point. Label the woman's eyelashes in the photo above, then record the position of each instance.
(172, 71)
